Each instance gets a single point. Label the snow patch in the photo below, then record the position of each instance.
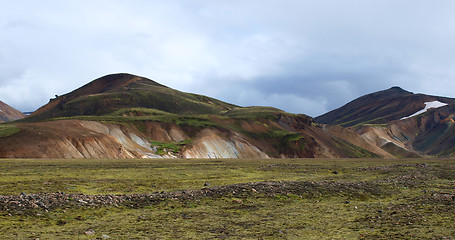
(428, 105)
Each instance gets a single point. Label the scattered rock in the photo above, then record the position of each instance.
(305, 189)
(89, 232)
(237, 201)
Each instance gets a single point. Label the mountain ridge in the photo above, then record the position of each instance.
(127, 116)
(400, 122)
(379, 108)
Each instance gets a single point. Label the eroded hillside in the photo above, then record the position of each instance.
(127, 116)
(133, 135)
(399, 122)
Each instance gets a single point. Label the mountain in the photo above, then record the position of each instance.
(127, 116)
(431, 133)
(8, 113)
(113, 92)
(400, 122)
(380, 108)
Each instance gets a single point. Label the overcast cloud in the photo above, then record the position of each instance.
(300, 56)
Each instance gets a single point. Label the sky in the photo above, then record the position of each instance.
(301, 56)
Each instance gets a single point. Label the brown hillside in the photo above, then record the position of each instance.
(106, 84)
(219, 137)
(379, 108)
(127, 116)
(8, 113)
(431, 133)
(111, 93)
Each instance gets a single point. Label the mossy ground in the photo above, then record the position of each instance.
(7, 130)
(173, 147)
(373, 199)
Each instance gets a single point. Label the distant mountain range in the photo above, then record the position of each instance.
(127, 116)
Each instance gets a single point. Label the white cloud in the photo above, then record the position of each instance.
(288, 52)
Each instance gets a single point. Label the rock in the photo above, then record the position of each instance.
(89, 232)
(105, 236)
(206, 184)
(237, 201)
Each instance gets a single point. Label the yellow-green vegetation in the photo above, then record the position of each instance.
(336, 199)
(254, 112)
(352, 150)
(196, 121)
(398, 151)
(173, 147)
(7, 130)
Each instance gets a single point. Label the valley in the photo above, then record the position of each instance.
(125, 157)
(227, 198)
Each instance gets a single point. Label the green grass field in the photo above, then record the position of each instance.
(322, 199)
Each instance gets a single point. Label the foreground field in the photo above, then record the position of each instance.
(228, 199)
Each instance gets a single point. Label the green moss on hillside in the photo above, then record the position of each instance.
(7, 130)
(398, 151)
(173, 147)
(254, 113)
(352, 150)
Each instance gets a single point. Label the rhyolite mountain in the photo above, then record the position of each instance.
(379, 108)
(119, 91)
(8, 113)
(400, 122)
(127, 116)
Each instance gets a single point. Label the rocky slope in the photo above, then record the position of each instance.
(431, 133)
(8, 113)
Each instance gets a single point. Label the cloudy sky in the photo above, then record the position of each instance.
(302, 56)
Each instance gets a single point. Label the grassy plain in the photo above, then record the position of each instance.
(342, 199)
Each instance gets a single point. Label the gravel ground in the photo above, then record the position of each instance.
(49, 201)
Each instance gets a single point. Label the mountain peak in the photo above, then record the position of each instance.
(112, 82)
(113, 92)
(398, 90)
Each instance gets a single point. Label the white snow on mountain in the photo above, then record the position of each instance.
(428, 105)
